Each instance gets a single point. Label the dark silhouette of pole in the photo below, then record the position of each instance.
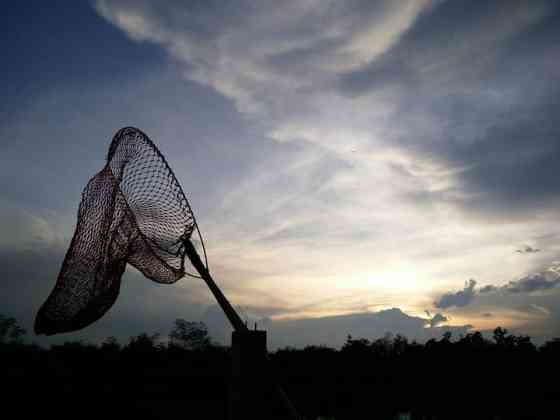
(231, 314)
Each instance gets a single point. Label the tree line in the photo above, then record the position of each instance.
(186, 373)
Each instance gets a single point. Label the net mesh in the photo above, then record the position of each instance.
(133, 211)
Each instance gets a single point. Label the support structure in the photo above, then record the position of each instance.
(249, 386)
(248, 352)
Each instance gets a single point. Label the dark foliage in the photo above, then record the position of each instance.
(189, 335)
(10, 331)
(470, 377)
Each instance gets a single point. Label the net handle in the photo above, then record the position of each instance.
(233, 317)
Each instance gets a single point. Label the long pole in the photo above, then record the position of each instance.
(231, 314)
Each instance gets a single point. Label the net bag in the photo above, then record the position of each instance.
(133, 211)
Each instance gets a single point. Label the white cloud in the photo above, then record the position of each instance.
(273, 59)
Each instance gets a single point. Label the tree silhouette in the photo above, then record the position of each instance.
(110, 344)
(143, 345)
(189, 335)
(10, 331)
(468, 377)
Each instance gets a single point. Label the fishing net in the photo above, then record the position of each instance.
(133, 211)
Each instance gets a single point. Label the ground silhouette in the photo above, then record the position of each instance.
(151, 377)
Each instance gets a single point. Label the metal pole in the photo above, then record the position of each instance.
(231, 314)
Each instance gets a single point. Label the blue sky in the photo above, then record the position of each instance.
(356, 167)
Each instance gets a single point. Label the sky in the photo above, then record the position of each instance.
(356, 167)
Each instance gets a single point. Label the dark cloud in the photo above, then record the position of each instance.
(532, 283)
(543, 280)
(536, 314)
(546, 279)
(488, 289)
(369, 325)
(482, 73)
(460, 298)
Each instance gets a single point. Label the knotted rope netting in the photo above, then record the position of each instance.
(133, 211)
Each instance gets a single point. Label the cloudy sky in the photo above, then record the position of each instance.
(356, 167)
